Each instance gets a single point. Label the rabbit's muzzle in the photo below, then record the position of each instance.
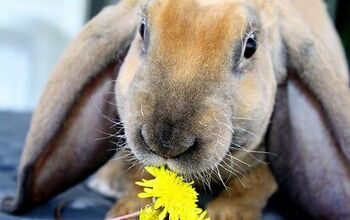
(167, 139)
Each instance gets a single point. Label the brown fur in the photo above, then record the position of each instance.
(246, 202)
(188, 83)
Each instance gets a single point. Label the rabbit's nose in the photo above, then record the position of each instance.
(174, 141)
(166, 134)
(167, 140)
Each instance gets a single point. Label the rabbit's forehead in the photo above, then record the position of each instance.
(181, 17)
(211, 2)
(194, 34)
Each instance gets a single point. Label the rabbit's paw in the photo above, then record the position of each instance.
(127, 205)
(220, 210)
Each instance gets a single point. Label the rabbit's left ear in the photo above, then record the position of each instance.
(310, 60)
(67, 138)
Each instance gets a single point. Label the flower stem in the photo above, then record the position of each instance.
(126, 217)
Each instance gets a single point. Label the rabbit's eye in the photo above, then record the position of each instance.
(251, 46)
(144, 36)
(142, 29)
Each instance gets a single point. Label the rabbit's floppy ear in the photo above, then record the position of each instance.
(310, 60)
(310, 128)
(66, 141)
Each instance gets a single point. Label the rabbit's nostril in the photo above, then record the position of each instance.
(186, 146)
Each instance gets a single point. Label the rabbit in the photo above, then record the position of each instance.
(253, 95)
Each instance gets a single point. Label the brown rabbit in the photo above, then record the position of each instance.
(204, 87)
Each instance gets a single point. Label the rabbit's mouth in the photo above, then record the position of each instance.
(184, 152)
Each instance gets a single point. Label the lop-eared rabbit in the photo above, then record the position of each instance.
(248, 95)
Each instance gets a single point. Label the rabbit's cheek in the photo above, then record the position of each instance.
(128, 70)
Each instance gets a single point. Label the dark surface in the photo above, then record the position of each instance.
(77, 203)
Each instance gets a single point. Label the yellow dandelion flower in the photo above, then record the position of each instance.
(172, 195)
(149, 213)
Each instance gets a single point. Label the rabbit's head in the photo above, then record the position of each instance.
(198, 83)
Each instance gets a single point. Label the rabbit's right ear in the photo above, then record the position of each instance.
(67, 138)
(313, 66)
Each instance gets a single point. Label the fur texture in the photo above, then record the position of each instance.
(189, 97)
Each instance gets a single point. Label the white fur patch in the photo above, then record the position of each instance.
(103, 187)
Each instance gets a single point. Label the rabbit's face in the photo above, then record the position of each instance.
(197, 84)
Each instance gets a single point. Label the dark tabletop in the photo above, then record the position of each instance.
(78, 203)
